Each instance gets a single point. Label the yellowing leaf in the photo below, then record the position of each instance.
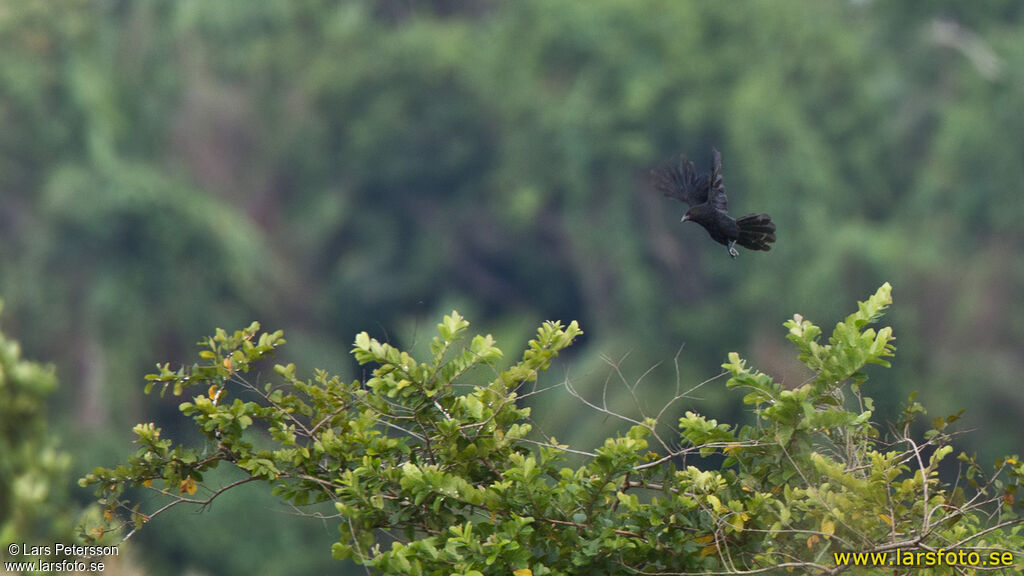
(708, 551)
(187, 485)
(215, 392)
(704, 539)
(828, 527)
(885, 518)
(737, 521)
(108, 515)
(147, 483)
(812, 541)
(522, 572)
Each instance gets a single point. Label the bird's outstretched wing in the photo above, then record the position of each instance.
(683, 183)
(716, 186)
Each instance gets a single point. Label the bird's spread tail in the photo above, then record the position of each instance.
(757, 232)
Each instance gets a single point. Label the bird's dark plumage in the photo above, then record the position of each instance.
(705, 193)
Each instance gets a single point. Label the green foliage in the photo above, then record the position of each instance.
(433, 469)
(33, 470)
(168, 166)
(327, 138)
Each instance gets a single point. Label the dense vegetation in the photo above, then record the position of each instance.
(326, 167)
(33, 468)
(432, 467)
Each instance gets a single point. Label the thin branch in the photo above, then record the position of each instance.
(179, 500)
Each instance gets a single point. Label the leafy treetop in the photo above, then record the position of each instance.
(432, 467)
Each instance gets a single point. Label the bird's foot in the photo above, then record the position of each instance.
(732, 250)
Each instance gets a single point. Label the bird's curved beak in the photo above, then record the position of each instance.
(685, 217)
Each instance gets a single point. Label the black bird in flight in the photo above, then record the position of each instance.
(705, 193)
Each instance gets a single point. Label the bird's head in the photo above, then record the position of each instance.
(694, 214)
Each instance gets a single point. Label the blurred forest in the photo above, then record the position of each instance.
(167, 168)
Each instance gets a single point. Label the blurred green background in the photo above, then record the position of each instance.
(169, 167)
